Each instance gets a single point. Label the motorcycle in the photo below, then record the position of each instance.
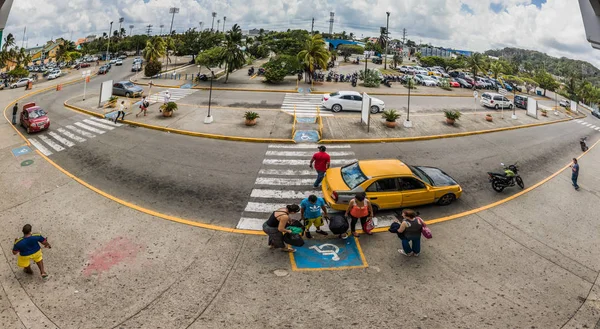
(387, 83)
(261, 71)
(251, 71)
(202, 77)
(507, 179)
(583, 144)
(353, 82)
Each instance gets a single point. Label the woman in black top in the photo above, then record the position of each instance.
(410, 231)
(275, 226)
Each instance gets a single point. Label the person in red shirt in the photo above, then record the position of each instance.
(321, 162)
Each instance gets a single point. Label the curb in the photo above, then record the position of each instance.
(431, 137)
(185, 132)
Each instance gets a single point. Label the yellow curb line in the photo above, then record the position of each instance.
(423, 138)
(185, 132)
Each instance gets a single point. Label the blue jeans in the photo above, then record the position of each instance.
(320, 176)
(14, 119)
(574, 179)
(416, 245)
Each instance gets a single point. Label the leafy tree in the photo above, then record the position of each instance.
(210, 58)
(281, 66)
(371, 79)
(155, 49)
(454, 63)
(545, 81)
(433, 61)
(9, 42)
(232, 55)
(397, 60)
(348, 50)
(314, 53)
(18, 72)
(152, 68)
(289, 43)
(476, 63)
(376, 47)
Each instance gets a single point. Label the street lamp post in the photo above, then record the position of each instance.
(387, 39)
(224, 19)
(130, 29)
(209, 118)
(172, 10)
(407, 123)
(201, 24)
(212, 27)
(108, 45)
(161, 27)
(121, 20)
(218, 22)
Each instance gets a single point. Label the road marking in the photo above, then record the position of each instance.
(255, 224)
(597, 128)
(71, 135)
(40, 147)
(81, 132)
(287, 172)
(61, 139)
(280, 162)
(307, 146)
(279, 194)
(97, 124)
(588, 124)
(51, 143)
(593, 126)
(284, 181)
(108, 122)
(92, 129)
(263, 207)
(305, 154)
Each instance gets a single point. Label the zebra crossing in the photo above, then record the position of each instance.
(587, 124)
(305, 105)
(285, 178)
(176, 94)
(62, 138)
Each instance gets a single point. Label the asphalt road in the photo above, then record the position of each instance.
(211, 181)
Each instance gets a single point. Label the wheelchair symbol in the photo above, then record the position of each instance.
(304, 137)
(331, 251)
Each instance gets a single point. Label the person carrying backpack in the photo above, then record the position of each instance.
(359, 208)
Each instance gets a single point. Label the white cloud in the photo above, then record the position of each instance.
(556, 28)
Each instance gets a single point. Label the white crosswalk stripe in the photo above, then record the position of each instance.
(176, 94)
(304, 105)
(107, 122)
(60, 138)
(281, 182)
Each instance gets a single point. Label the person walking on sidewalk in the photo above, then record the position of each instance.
(321, 161)
(121, 111)
(410, 233)
(575, 173)
(359, 208)
(28, 248)
(166, 99)
(275, 226)
(310, 210)
(15, 110)
(143, 106)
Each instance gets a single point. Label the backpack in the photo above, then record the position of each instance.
(293, 239)
(338, 224)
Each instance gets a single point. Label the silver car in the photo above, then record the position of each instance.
(21, 83)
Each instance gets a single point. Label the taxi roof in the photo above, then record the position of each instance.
(384, 167)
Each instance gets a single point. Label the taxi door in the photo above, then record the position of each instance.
(384, 193)
(414, 192)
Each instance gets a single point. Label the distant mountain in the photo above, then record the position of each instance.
(530, 60)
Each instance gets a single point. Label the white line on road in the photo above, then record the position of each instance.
(71, 135)
(305, 154)
(279, 162)
(284, 181)
(51, 143)
(40, 147)
(263, 207)
(279, 194)
(288, 172)
(61, 139)
(92, 129)
(97, 124)
(307, 146)
(108, 122)
(81, 132)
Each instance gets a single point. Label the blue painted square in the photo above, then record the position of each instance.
(21, 151)
(186, 86)
(306, 136)
(111, 115)
(332, 253)
(306, 119)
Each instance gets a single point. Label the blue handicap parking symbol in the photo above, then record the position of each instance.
(328, 254)
(306, 119)
(21, 151)
(111, 116)
(186, 86)
(306, 136)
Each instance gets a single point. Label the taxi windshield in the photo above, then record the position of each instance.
(34, 114)
(352, 175)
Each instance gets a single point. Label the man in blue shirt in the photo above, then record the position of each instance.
(575, 174)
(28, 248)
(310, 209)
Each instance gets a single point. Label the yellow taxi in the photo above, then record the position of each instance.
(389, 184)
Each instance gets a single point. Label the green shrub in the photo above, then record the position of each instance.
(445, 84)
(371, 79)
(390, 115)
(251, 115)
(455, 115)
(152, 68)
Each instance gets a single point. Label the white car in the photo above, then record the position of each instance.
(53, 75)
(564, 103)
(349, 101)
(403, 69)
(495, 101)
(426, 80)
(118, 62)
(113, 61)
(21, 83)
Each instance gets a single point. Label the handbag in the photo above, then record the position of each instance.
(369, 226)
(425, 231)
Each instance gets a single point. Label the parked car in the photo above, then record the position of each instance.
(495, 101)
(136, 68)
(103, 70)
(377, 60)
(113, 61)
(84, 65)
(428, 81)
(521, 101)
(122, 57)
(403, 69)
(564, 103)
(454, 83)
(127, 89)
(389, 184)
(54, 74)
(33, 118)
(596, 113)
(21, 83)
(119, 62)
(463, 83)
(507, 86)
(349, 101)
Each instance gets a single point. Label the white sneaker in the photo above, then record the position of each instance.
(402, 252)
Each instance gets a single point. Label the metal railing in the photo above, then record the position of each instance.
(294, 124)
(320, 122)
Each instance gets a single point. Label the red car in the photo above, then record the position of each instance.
(454, 83)
(83, 65)
(34, 118)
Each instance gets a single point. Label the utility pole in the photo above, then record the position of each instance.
(224, 19)
(148, 29)
(331, 15)
(130, 29)
(212, 27)
(201, 24)
(387, 39)
(25, 31)
(403, 41)
(218, 22)
(108, 45)
(312, 26)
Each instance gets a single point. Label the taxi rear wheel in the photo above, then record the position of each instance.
(446, 199)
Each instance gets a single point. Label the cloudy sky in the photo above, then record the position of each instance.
(551, 26)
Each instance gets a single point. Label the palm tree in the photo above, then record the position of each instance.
(497, 67)
(233, 55)
(383, 38)
(9, 42)
(475, 63)
(351, 36)
(397, 59)
(314, 53)
(155, 48)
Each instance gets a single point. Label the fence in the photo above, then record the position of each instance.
(320, 122)
(294, 124)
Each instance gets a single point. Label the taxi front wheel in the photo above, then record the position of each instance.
(446, 199)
